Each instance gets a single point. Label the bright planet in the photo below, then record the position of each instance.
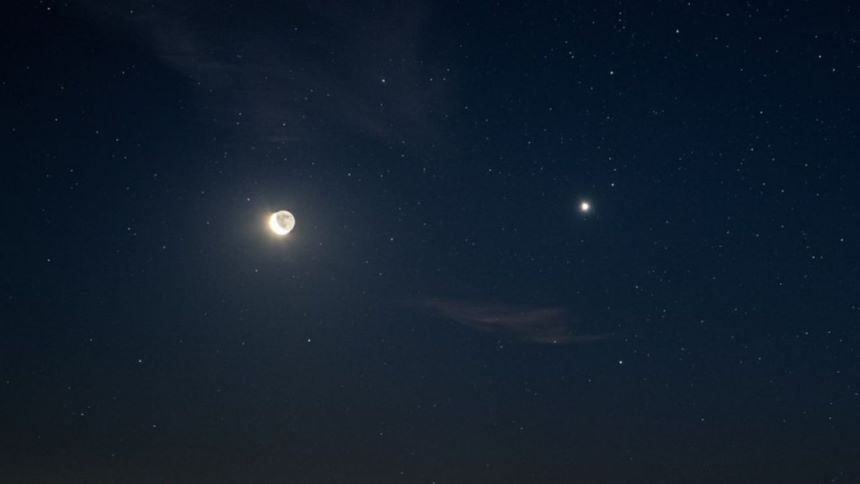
(282, 222)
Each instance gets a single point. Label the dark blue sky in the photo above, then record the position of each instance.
(442, 312)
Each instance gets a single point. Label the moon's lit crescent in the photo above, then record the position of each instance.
(282, 222)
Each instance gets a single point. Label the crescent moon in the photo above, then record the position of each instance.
(282, 222)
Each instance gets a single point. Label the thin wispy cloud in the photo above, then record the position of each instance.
(345, 71)
(536, 324)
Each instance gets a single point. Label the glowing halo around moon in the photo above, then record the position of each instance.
(282, 222)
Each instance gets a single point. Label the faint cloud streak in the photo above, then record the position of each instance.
(325, 69)
(535, 324)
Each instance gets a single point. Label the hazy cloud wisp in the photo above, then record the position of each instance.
(536, 324)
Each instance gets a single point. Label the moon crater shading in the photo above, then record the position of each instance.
(282, 222)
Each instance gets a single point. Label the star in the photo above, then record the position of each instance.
(584, 206)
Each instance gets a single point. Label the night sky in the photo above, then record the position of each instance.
(444, 311)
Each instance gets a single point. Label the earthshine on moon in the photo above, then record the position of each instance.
(282, 222)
